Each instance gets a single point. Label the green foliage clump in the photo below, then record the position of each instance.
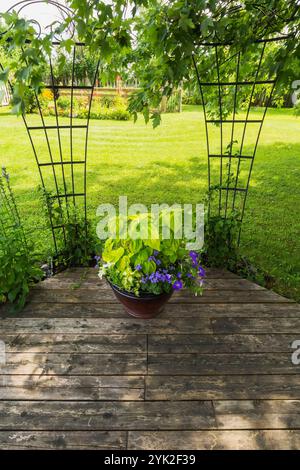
(192, 97)
(18, 269)
(30, 101)
(221, 240)
(77, 243)
(18, 262)
(115, 109)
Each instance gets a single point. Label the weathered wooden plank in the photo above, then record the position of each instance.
(230, 296)
(57, 440)
(97, 284)
(72, 296)
(174, 310)
(223, 387)
(71, 284)
(256, 325)
(74, 364)
(220, 364)
(104, 295)
(162, 344)
(81, 343)
(214, 440)
(29, 387)
(212, 344)
(126, 325)
(260, 414)
(51, 415)
(231, 284)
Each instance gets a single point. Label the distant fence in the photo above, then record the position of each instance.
(108, 89)
(101, 91)
(5, 96)
(118, 87)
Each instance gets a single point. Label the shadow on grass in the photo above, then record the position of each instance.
(164, 182)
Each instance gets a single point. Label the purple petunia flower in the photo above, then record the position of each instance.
(201, 271)
(179, 275)
(177, 285)
(194, 256)
(138, 267)
(155, 252)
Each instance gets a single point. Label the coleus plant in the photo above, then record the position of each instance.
(151, 266)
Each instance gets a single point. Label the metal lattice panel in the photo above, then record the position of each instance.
(228, 87)
(59, 159)
(54, 139)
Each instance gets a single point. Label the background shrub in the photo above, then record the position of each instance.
(107, 107)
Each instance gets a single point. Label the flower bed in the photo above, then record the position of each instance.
(114, 108)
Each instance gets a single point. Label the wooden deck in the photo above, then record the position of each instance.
(210, 373)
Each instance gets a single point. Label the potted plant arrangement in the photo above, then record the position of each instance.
(144, 273)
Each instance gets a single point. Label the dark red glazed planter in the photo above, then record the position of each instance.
(145, 306)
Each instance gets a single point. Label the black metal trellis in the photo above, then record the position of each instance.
(53, 162)
(222, 78)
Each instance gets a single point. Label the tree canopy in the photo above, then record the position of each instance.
(157, 40)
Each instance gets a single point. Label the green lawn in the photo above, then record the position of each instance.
(169, 165)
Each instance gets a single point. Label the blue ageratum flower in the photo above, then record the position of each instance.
(153, 258)
(153, 278)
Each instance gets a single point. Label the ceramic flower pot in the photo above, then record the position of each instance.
(145, 306)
